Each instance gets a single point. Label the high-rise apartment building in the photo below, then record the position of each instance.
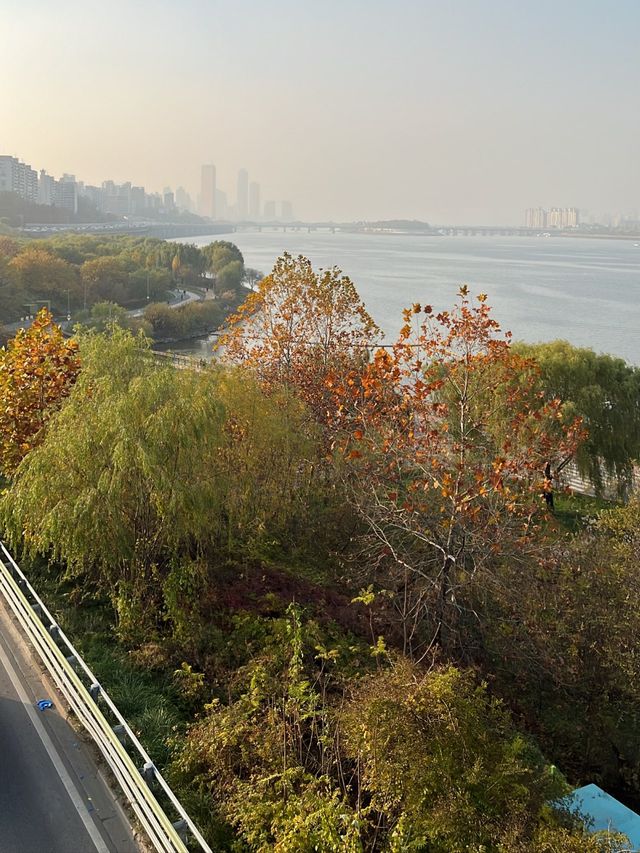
(555, 217)
(571, 217)
(47, 188)
(68, 193)
(243, 195)
(254, 201)
(270, 211)
(94, 195)
(535, 217)
(18, 178)
(63, 193)
(116, 198)
(286, 211)
(138, 201)
(6, 174)
(208, 191)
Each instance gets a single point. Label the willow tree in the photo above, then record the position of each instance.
(605, 392)
(148, 466)
(303, 329)
(447, 464)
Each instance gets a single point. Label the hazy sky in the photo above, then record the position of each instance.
(462, 111)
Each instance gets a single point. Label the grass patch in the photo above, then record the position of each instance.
(574, 511)
(147, 698)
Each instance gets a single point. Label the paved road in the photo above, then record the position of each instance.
(178, 298)
(52, 797)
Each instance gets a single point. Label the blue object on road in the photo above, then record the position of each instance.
(44, 704)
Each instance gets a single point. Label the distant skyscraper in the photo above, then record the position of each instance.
(222, 209)
(208, 191)
(254, 200)
(183, 199)
(286, 211)
(243, 195)
(270, 211)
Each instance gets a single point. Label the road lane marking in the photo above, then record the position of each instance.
(66, 780)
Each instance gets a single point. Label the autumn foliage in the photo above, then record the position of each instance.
(37, 369)
(446, 431)
(304, 329)
(448, 456)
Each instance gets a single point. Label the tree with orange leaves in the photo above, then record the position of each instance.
(304, 329)
(37, 369)
(447, 462)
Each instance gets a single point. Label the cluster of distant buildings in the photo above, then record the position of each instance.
(555, 217)
(129, 200)
(570, 217)
(66, 192)
(21, 179)
(214, 204)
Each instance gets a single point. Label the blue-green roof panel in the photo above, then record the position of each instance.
(606, 812)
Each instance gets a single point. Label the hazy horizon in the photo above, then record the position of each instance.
(464, 113)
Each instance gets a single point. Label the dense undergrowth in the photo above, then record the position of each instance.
(179, 676)
(326, 589)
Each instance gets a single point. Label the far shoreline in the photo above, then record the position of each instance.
(490, 233)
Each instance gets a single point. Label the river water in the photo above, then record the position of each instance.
(586, 291)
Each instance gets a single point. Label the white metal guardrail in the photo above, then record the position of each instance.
(184, 362)
(68, 670)
(571, 477)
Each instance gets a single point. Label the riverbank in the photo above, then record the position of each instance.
(215, 311)
(164, 344)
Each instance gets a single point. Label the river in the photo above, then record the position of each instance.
(586, 291)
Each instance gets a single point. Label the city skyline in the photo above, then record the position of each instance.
(212, 202)
(456, 113)
(128, 199)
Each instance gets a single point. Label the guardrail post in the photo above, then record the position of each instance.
(94, 691)
(120, 733)
(54, 631)
(182, 829)
(149, 772)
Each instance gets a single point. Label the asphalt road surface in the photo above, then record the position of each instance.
(53, 799)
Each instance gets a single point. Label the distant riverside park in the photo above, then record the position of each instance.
(334, 577)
